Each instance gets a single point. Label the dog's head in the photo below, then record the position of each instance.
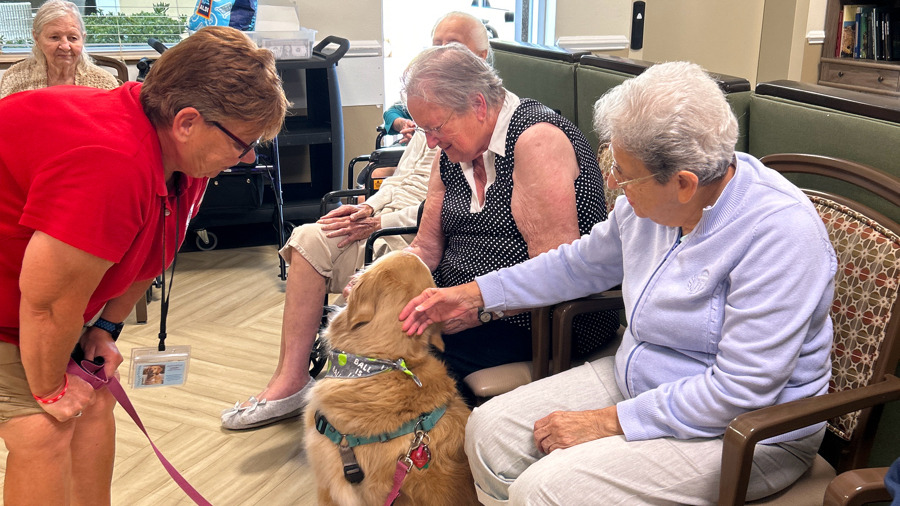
(370, 324)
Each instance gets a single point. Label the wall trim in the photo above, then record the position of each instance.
(362, 48)
(815, 37)
(593, 42)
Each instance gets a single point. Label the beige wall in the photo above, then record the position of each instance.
(722, 36)
(754, 39)
(593, 17)
(350, 19)
(354, 20)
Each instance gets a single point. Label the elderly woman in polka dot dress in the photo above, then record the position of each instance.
(514, 179)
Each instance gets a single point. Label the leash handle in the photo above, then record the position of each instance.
(96, 377)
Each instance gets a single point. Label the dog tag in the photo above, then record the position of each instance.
(421, 457)
(352, 472)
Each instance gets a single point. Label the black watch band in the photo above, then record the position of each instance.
(114, 329)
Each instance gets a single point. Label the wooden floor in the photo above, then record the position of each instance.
(227, 305)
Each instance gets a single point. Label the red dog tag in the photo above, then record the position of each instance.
(421, 457)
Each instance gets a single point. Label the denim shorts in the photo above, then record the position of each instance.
(15, 396)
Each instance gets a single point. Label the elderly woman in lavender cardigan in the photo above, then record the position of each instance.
(726, 271)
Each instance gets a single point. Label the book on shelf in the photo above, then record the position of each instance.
(892, 34)
(869, 32)
(847, 39)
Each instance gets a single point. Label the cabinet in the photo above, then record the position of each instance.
(868, 75)
(242, 195)
(317, 136)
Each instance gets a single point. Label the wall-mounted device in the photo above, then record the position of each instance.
(637, 25)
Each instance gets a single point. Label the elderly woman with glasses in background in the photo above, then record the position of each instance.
(726, 272)
(58, 54)
(514, 180)
(98, 188)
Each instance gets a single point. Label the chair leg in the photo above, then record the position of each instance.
(140, 310)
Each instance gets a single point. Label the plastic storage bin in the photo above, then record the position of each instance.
(287, 45)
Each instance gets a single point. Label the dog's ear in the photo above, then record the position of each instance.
(361, 304)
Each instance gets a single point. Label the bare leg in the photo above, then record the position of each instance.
(304, 294)
(39, 463)
(39, 446)
(94, 444)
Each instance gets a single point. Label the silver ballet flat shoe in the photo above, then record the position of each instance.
(262, 412)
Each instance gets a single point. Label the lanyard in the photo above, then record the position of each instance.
(164, 301)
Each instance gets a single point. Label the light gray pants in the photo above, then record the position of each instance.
(509, 469)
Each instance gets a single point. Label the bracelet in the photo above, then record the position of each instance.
(58, 396)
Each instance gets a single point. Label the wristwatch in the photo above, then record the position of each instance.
(114, 329)
(488, 316)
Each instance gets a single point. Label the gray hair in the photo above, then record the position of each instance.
(478, 35)
(50, 11)
(672, 117)
(451, 76)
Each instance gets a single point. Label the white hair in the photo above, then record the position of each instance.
(672, 117)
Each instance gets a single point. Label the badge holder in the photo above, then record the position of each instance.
(153, 368)
(162, 366)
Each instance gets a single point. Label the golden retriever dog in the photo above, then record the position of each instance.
(153, 375)
(369, 326)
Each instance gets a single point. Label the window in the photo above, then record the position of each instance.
(111, 25)
(407, 28)
(536, 21)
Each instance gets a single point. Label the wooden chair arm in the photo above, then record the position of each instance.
(563, 315)
(541, 337)
(857, 487)
(747, 429)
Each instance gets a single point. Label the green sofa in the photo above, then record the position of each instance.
(776, 117)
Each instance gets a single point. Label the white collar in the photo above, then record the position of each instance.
(498, 139)
(496, 147)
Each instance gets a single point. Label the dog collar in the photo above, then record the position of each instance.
(424, 422)
(348, 365)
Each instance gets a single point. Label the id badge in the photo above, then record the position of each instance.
(153, 368)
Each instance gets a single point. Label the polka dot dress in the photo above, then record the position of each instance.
(481, 242)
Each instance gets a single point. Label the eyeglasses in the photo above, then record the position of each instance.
(436, 131)
(609, 166)
(246, 147)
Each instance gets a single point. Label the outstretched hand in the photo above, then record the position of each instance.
(438, 305)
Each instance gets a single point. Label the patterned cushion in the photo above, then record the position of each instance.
(866, 286)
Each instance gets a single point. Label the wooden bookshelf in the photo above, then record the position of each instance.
(873, 76)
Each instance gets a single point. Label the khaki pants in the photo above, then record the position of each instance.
(337, 265)
(15, 395)
(509, 469)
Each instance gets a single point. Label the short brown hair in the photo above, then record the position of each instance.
(223, 74)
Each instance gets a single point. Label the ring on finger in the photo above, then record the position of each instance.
(78, 414)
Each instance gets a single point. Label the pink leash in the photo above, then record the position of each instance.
(399, 475)
(96, 377)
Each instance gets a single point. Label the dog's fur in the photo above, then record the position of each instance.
(369, 326)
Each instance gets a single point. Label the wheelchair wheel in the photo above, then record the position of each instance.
(317, 358)
(206, 240)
